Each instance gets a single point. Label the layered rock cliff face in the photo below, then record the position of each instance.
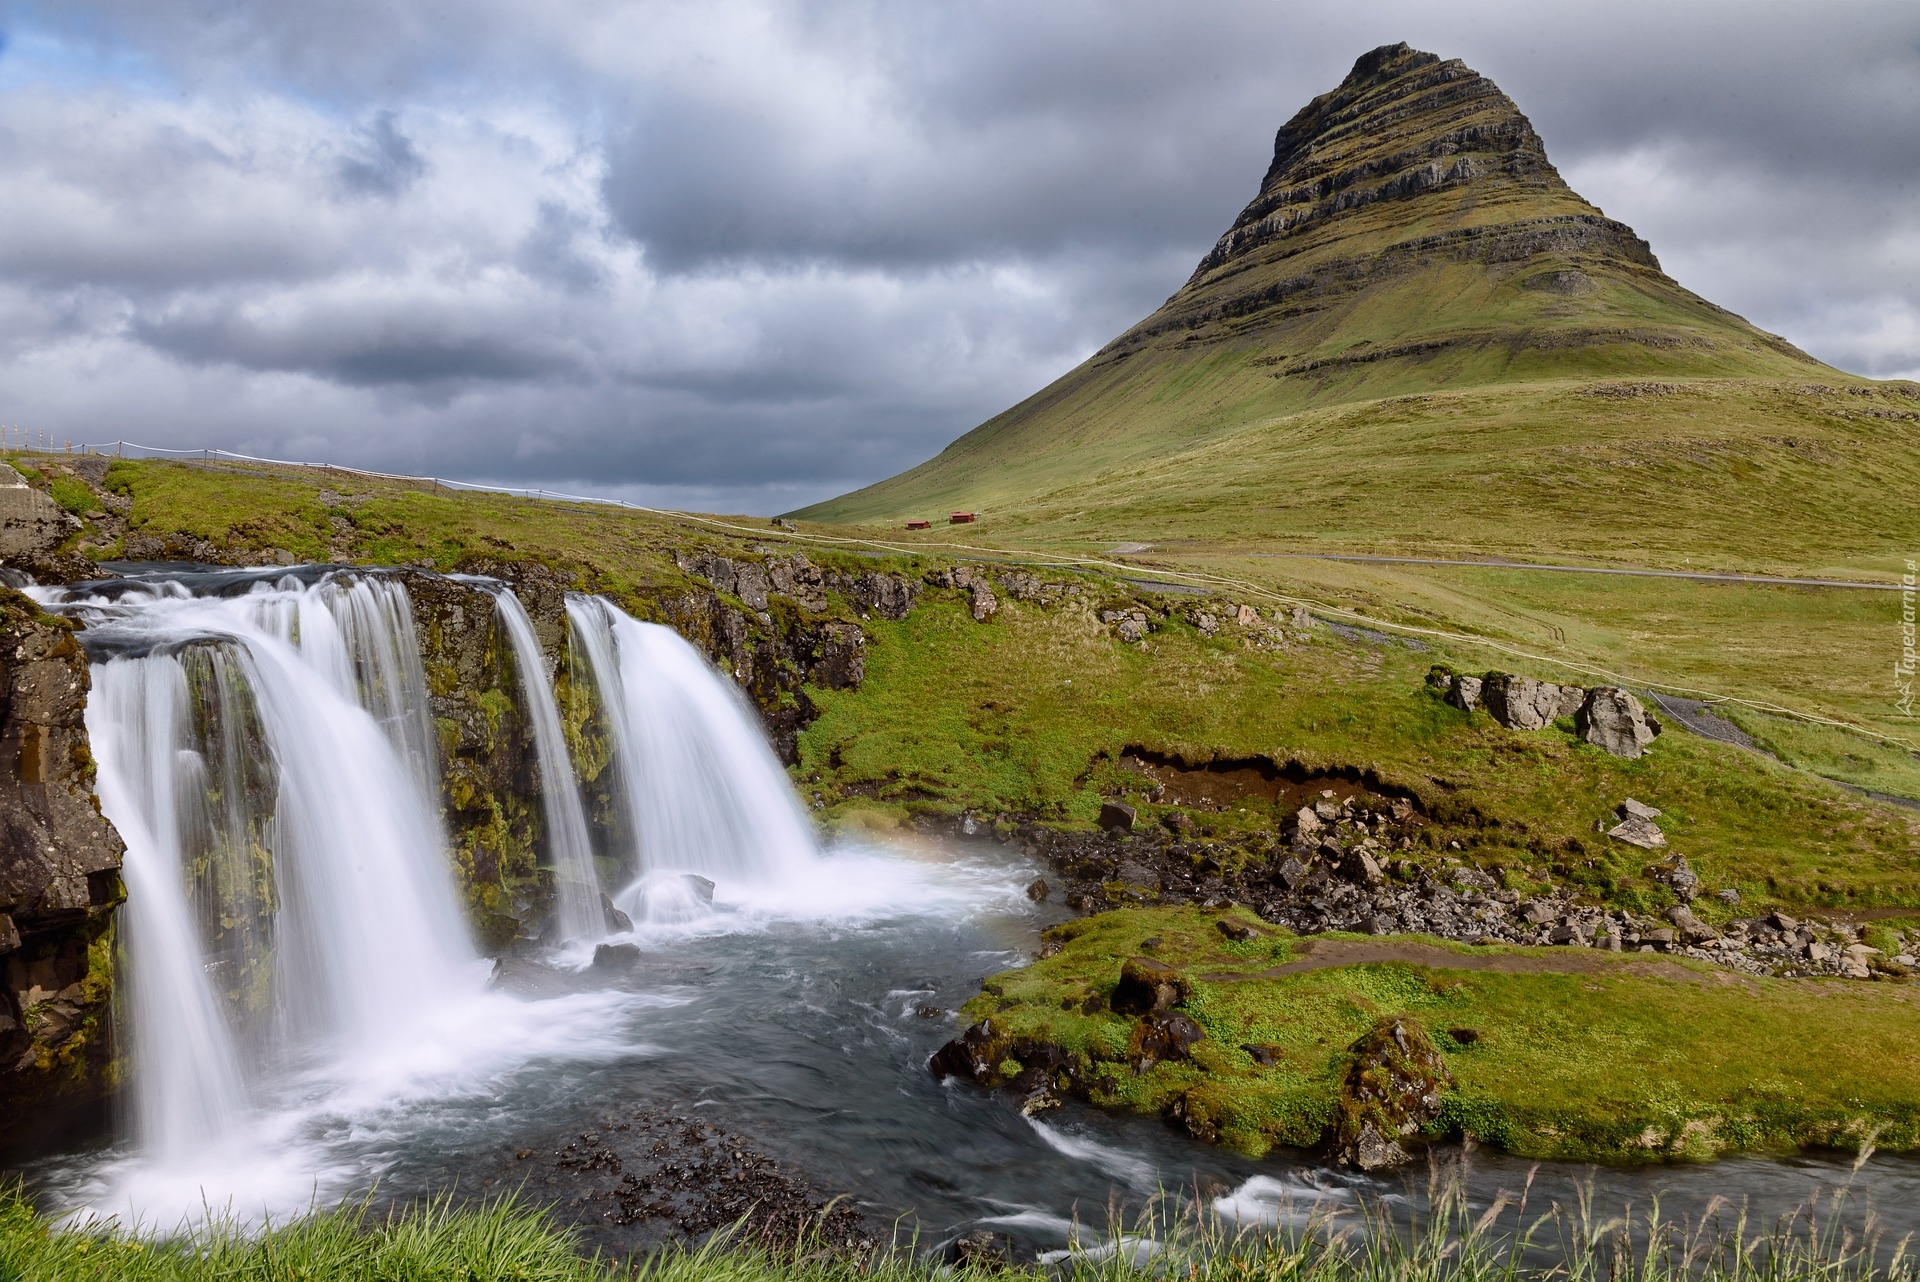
(59, 879)
(1412, 165)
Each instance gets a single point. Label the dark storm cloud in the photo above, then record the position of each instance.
(748, 254)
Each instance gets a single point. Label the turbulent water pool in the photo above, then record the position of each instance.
(791, 1017)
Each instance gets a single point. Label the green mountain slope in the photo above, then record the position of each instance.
(1410, 239)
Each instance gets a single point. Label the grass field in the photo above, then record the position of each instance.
(1030, 714)
(1591, 1056)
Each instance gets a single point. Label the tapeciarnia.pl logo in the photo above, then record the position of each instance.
(1903, 667)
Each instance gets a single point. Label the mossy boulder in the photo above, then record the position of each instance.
(1391, 1093)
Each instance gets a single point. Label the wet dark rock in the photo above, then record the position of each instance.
(931, 1012)
(1117, 816)
(1146, 986)
(59, 882)
(1391, 1092)
(1038, 890)
(842, 664)
(616, 957)
(648, 1177)
(1237, 930)
(617, 922)
(1263, 1054)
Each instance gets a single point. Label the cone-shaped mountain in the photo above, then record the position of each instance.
(1410, 236)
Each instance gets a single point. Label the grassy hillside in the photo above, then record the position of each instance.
(1417, 338)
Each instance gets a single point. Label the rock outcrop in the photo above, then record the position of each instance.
(1613, 721)
(59, 881)
(1522, 703)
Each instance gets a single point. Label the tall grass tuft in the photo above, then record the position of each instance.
(503, 1240)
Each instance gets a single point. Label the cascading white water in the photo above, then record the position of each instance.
(187, 1092)
(367, 931)
(577, 910)
(706, 794)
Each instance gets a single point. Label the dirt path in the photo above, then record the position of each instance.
(1759, 580)
(1323, 954)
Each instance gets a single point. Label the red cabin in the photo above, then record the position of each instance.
(919, 525)
(960, 518)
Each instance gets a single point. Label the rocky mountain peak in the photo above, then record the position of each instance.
(1404, 123)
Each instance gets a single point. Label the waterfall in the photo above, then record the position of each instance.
(187, 1093)
(577, 910)
(705, 792)
(288, 717)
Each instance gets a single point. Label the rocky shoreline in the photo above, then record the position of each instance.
(1357, 864)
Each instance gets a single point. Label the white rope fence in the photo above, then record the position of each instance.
(118, 449)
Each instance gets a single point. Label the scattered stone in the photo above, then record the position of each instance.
(1129, 625)
(1690, 927)
(1465, 1036)
(1117, 816)
(1728, 896)
(1636, 831)
(1783, 922)
(1362, 868)
(1039, 890)
(1176, 821)
(1293, 873)
(1237, 930)
(1631, 809)
(1681, 877)
(1614, 721)
(931, 1012)
(1392, 1090)
(1856, 961)
(1537, 912)
(1263, 1054)
(1146, 986)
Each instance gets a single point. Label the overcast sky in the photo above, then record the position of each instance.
(741, 256)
